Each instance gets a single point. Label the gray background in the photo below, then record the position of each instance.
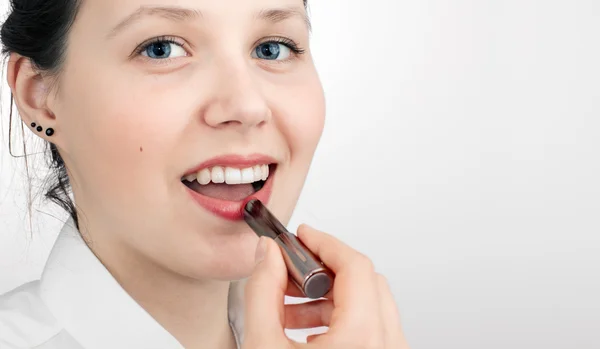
(461, 153)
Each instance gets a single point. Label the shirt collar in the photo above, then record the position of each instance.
(96, 311)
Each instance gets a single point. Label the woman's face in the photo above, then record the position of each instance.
(153, 89)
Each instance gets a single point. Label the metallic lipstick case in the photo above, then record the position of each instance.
(309, 274)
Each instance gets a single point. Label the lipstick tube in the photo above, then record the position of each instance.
(309, 274)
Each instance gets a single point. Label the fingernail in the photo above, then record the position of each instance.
(261, 250)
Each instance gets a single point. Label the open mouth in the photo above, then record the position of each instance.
(229, 183)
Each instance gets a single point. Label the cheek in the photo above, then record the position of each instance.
(303, 118)
(300, 116)
(122, 129)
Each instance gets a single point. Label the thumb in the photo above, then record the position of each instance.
(264, 294)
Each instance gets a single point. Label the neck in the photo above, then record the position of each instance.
(194, 311)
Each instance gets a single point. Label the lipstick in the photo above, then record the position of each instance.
(307, 272)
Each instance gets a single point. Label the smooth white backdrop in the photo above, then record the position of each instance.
(461, 153)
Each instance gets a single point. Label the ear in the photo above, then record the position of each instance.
(30, 91)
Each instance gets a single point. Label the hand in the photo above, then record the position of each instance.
(360, 310)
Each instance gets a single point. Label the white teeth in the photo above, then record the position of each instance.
(233, 175)
(248, 175)
(218, 175)
(230, 175)
(257, 173)
(204, 176)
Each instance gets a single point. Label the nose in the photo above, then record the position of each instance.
(238, 102)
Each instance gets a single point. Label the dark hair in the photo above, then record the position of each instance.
(38, 30)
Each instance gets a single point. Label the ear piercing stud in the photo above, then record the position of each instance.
(49, 131)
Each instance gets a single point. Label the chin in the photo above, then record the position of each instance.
(226, 257)
(229, 269)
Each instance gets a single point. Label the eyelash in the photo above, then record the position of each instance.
(284, 41)
(158, 40)
(165, 39)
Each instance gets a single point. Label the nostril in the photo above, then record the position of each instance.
(231, 122)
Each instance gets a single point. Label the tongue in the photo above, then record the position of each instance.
(236, 192)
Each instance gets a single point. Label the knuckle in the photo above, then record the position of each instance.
(382, 281)
(364, 263)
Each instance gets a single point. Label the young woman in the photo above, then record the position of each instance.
(161, 117)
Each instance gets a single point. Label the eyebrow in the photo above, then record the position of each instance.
(179, 14)
(281, 14)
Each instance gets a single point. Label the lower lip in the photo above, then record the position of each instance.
(232, 210)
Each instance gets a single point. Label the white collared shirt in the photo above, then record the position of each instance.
(77, 304)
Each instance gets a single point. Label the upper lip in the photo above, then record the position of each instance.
(233, 160)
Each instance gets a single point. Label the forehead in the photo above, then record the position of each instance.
(112, 13)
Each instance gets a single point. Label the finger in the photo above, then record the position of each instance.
(311, 338)
(333, 252)
(293, 290)
(389, 310)
(264, 293)
(308, 315)
(394, 337)
(354, 291)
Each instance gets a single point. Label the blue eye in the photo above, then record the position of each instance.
(163, 49)
(272, 51)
